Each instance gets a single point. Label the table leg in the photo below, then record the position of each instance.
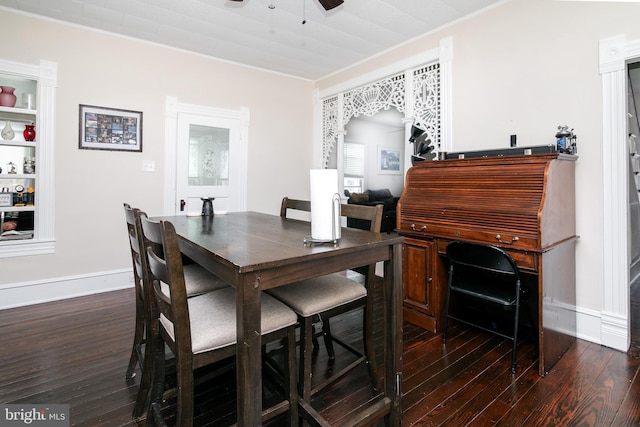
(393, 333)
(248, 350)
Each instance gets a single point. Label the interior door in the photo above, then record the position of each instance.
(205, 153)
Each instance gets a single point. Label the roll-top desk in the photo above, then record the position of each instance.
(524, 204)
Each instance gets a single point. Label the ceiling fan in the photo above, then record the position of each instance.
(327, 4)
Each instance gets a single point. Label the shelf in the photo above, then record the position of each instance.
(20, 235)
(18, 176)
(18, 208)
(17, 143)
(18, 110)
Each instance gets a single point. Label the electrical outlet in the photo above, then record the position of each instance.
(513, 141)
(148, 166)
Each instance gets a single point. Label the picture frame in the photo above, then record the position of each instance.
(112, 129)
(389, 161)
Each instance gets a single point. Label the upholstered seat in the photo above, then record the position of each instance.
(219, 309)
(320, 294)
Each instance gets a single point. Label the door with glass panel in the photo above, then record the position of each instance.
(204, 163)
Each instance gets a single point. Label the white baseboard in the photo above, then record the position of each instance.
(605, 329)
(36, 292)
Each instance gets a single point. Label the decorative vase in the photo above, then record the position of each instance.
(7, 98)
(7, 132)
(29, 132)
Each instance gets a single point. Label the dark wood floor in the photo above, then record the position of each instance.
(76, 351)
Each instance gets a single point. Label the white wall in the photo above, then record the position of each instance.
(524, 67)
(376, 135)
(99, 69)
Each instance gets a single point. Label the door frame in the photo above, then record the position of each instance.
(614, 53)
(172, 109)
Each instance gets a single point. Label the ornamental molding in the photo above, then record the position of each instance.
(422, 95)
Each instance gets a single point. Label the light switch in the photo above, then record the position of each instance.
(148, 166)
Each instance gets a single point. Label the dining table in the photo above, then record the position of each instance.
(255, 252)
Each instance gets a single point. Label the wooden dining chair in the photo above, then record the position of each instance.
(328, 296)
(201, 330)
(197, 281)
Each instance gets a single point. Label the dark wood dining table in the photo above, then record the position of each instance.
(256, 251)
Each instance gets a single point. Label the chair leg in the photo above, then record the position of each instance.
(184, 400)
(314, 340)
(156, 379)
(138, 341)
(290, 375)
(326, 335)
(306, 330)
(145, 380)
(515, 337)
(367, 336)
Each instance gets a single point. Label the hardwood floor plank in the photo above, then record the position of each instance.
(629, 410)
(539, 405)
(448, 379)
(599, 403)
(468, 401)
(76, 352)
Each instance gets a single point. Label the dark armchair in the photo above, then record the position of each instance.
(372, 198)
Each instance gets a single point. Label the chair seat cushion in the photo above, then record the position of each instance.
(213, 319)
(317, 295)
(198, 280)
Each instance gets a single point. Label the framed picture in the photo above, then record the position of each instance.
(389, 161)
(111, 129)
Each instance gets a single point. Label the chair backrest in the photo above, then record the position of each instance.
(165, 266)
(481, 260)
(368, 213)
(299, 205)
(134, 244)
(138, 255)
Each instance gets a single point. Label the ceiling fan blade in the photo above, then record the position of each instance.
(330, 4)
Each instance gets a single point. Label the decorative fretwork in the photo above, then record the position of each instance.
(426, 101)
(382, 95)
(369, 100)
(329, 127)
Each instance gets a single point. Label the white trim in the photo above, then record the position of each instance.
(445, 59)
(613, 54)
(40, 291)
(45, 75)
(588, 325)
(172, 108)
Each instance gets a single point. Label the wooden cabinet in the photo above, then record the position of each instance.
(421, 292)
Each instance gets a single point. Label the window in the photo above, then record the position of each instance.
(353, 167)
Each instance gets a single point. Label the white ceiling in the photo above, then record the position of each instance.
(251, 33)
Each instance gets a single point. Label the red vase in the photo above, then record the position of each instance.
(7, 98)
(29, 133)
